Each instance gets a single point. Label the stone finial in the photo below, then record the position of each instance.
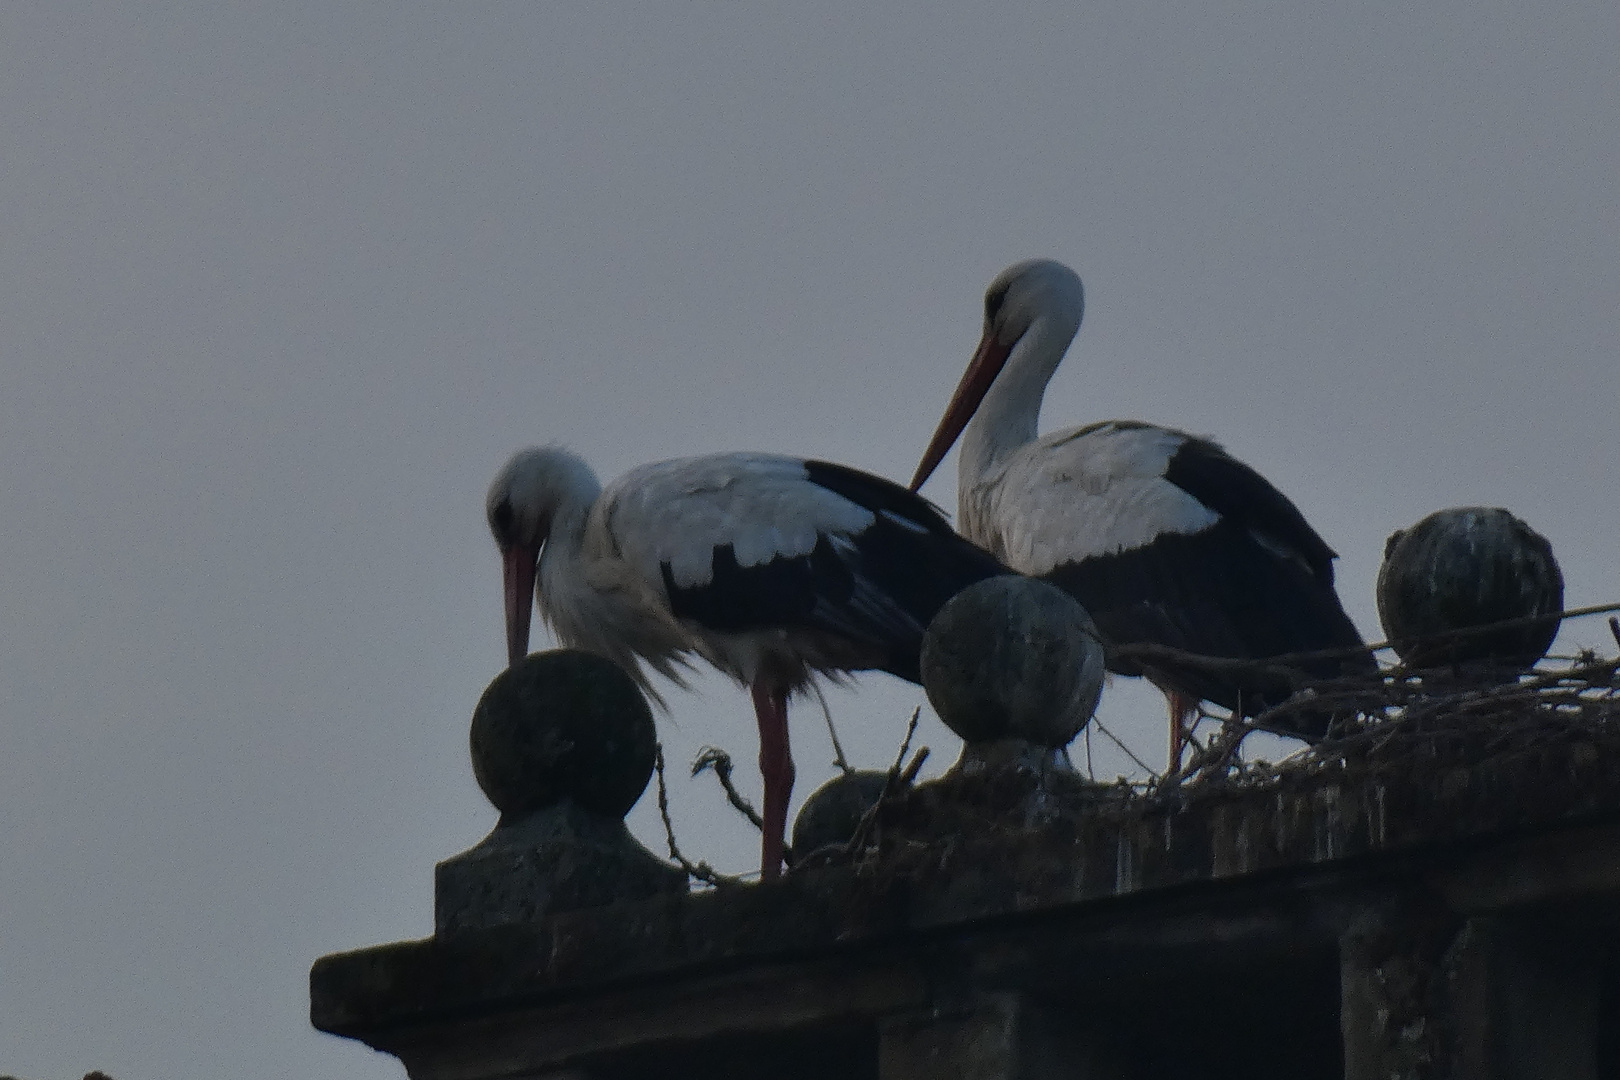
(563, 724)
(563, 744)
(1013, 658)
(833, 811)
(1465, 567)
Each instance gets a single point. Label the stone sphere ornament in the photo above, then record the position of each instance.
(563, 744)
(1013, 657)
(563, 724)
(1467, 567)
(834, 810)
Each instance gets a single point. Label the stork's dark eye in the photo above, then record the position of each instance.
(502, 518)
(992, 303)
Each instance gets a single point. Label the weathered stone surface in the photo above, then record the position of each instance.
(1507, 996)
(1012, 657)
(833, 811)
(1013, 753)
(995, 1036)
(563, 745)
(1245, 918)
(1036, 783)
(1390, 989)
(1474, 840)
(1525, 999)
(1467, 567)
(563, 724)
(557, 858)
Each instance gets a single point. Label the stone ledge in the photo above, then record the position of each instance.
(1129, 859)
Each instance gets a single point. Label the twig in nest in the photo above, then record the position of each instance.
(712, 757)
(838, 748)
(1140, 764)
(901, 776)
(893, 783)
(1216, 759)
(1200, 751)
(699, 871)
(1283, 667)
(1190, 736)
(1287, 665)
(909, 777)
(1520, 622)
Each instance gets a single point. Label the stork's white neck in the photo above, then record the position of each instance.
(1009, 416)
(561, 582)
(566, 540)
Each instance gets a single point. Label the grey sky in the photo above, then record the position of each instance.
(282, 285)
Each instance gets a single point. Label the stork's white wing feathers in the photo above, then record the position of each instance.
(1080, 492)
(677, 512)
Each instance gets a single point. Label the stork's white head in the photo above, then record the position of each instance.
(525, 494)
(1033, 307)
(523, 502)
(1034, 289)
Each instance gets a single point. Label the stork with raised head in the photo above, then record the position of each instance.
(1162, 536)
(773, 569)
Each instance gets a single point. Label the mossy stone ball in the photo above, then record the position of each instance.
(833, 811)
(563, 724)
(1013, 657)
(1465, 567)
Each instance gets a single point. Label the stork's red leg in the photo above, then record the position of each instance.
(776, 769)
(1182, 711)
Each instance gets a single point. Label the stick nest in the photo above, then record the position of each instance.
(1410, 728)
(1415, 721)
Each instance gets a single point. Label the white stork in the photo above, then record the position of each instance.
(773, 569)
(1163, 536)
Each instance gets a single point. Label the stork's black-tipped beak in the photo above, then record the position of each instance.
(519, 564)
(982, 370)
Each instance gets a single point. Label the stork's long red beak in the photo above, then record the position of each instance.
(982, 370)
(519, 565)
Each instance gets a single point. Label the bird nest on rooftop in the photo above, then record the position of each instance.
(1395, 723)
(1392, 724)
(1408, 720)
(1409, 729)
(1414, 720)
